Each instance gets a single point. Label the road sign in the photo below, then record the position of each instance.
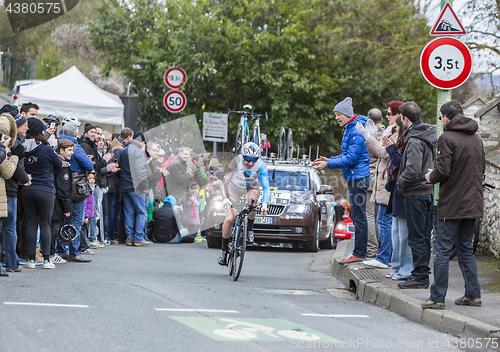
(214, 127)
(175, 77)
(447, 23)
(446, 63)
(175, 101)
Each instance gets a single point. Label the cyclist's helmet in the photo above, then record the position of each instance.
(73, 119)
(51, 119)
(250, 149)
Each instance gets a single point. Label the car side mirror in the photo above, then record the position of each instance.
(325, 189)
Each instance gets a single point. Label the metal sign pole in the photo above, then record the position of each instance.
(215, 149)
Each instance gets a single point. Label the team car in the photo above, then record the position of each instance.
(301, 209)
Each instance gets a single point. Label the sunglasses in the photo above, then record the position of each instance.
(251, 159)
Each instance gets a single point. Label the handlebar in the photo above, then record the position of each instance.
(487, 185)
(253, 115)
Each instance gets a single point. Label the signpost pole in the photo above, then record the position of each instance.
(443, 96)
(215, 148)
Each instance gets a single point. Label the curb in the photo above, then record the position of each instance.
(373, 290)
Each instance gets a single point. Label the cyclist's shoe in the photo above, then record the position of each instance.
(223, 258)
(250, 237)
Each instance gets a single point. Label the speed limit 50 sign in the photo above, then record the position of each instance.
(174, 101)
(446, 63)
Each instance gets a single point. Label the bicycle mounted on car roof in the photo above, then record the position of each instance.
(243, 132)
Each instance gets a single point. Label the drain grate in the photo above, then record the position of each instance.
(361, 274)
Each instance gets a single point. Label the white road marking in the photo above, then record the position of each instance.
(334, 315)
(197, 310)
(46, 304)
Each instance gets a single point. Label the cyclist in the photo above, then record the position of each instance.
(242, 177)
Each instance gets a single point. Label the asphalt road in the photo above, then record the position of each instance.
(177, 298)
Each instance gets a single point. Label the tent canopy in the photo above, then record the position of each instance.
(73, 94)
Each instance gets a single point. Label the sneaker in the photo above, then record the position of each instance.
(200, 239)
(88, 251)
(223, 258)
(79, 259)
(414, 283)
(96, 244)
(16, 270)
(250, 237)
(351, 259)
(48, 265)
(57, 259)
(129, 241)
(23, 261)
(31, 264)
(465, 301)
(432, 305)
(142, 243)
(373, 263)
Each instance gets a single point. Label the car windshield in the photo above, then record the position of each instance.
(290, 181)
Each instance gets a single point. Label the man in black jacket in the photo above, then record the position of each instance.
(459, 170)
(420, 142)
(11, 188)
(179, 174)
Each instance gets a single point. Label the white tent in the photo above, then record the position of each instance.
(73, 94)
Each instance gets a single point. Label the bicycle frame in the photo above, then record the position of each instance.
(243, 132)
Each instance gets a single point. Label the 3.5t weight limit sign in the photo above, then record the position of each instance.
(174, 101)
(446, 63)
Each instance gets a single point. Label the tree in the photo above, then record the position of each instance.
(291, 58)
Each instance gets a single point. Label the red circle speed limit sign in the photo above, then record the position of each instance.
(175, 77)
(174, 101)
(446, 63)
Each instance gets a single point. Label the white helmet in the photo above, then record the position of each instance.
(250, 149)
(76, 120)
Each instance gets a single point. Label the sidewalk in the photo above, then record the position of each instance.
(470, 322)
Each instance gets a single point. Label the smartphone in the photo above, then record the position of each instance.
(52, 124)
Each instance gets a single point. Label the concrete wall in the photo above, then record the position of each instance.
(489, 239)
(489, 128)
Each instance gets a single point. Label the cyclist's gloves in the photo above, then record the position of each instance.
(263, 208)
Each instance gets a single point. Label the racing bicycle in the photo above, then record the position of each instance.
(243, 132)
(238, 241)
(285, 146)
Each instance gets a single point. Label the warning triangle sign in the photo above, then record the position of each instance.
(447, 23)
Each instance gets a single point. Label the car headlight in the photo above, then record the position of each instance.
(340, 227)
(299, 208)
(217, 206)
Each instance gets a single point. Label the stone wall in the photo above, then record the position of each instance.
(489, 128)
(489, 238)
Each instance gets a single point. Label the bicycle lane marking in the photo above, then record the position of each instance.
(253, 329)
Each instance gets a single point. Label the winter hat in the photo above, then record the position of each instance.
(88, 127)
(345, 107)
(170, 200)
(197, 150)
(14, 111)
(35, 126)
(140, 135)
(214, 162)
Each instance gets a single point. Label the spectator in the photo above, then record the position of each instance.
(108, 138)
(133, 188)
(401, 261)
(38, 197)
(79, 163)
(3, 154)
(418, 157)
(179, 175)
(380, 196)
(192, 210)
(393, 110)
(12, 184)
(371, 208)
(265, 146)
(89, 226)
(354, 161)
(63, 182)
(29, 110)
(459, 170)
(340, 208)
(166, 224)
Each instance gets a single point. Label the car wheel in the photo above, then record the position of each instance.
(313, 245)
(330, 242)
(214, 242)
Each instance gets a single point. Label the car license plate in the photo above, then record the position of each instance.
(261, 220)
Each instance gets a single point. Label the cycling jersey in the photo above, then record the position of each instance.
(239, 176)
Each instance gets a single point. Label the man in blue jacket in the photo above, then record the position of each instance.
(80, 163)
(354, 162)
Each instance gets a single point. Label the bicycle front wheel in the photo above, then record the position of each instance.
(240, 139)
(239, 251)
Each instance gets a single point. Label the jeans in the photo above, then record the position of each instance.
(402, 261)
(93, 229)
(134, 207)
(175, 240)
(78, 213)
(418, 211)
(112, 214)
(10, 235)
(458, 232)
(357, 198)
(385, 224)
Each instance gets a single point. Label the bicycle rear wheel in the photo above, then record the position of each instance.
(240, 139)
(239, 251)
(289, 145)
(256, 134)
(282, 144)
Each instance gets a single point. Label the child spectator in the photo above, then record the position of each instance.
(89, 214)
